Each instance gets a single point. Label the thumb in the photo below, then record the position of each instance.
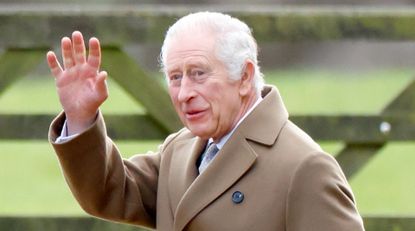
(101, 84)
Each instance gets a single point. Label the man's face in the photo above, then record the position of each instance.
(206, 100)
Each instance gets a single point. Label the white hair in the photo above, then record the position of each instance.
(234, 42)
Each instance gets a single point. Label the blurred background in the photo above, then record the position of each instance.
(330, 77)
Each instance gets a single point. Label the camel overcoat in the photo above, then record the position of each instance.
(270, 175)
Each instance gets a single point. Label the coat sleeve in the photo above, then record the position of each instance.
(104, 184)
(320, 198)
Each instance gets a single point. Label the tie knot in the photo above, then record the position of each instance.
(208, 156)
(212, 149)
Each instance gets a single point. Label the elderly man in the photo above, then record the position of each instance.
(239, 163)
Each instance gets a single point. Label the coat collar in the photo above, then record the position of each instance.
(190, 193)
(264, 123)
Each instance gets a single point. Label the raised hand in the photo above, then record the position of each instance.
(81, 86)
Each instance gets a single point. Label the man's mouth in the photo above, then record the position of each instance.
(194, 114)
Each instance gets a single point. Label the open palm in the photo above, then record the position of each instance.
(80, 85)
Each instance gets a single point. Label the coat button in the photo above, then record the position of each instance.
(237, 197)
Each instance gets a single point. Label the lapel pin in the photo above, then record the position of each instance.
(237, 197)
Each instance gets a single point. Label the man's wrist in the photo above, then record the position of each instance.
(76, 126)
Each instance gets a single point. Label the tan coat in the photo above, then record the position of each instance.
(287, 181)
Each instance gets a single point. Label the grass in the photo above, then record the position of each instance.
(31, 180)
(330, 92)
(32, 183)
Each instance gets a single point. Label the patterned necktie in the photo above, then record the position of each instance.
(208, 157)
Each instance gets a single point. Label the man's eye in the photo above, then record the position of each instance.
(197, 75)
(175, 77)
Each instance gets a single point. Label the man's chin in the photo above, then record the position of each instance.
(200, 131)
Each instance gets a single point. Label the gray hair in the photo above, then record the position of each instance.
(234, 42)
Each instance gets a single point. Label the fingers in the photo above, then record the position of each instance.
(94, 57)
(73, 53)
(67, 53)
(55, 67)
(78, 47)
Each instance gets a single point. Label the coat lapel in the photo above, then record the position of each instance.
(183, 169)
(231, 162)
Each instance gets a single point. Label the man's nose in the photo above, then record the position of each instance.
(186, 91)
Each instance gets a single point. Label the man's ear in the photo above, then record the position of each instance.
(247, 76)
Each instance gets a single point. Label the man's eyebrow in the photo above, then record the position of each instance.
(188, 63)
(173, 68)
